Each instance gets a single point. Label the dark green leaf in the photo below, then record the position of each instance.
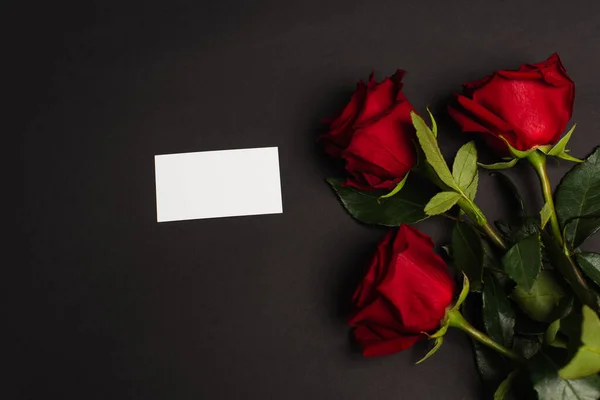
(590, 265)
(550, 386)
(405, 207)
(433, 155)
(526, 347)
(540, 301)
(498, 315)
(468, 253)
(441, 203)
(523, 261)
(464, 168)
(517, 229)
(563, 309)
(491, 366)
(563, 264)
(579, 194)
(511, 189)
(524, 325)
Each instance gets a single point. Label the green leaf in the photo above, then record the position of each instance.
(405, 207)
(436, 346)
(524, 325)
(560, 147)
(590, 265)
(464, 167)
(563, 265)
(523, 261)
(513, 191)
(550, 386)
(398, 188)
(541, 300)
(492, 367)
(434, 128)
(432, 151)
(586, 361)
(503, 391)
(498, 315)
(500, 165)
(526, 347)
(441, 203)
(551, 332)
(545, 214)
(471, 190)
(517, 229)
(468, 253)
(578, 194)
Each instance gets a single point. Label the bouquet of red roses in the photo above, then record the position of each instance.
(521, 287)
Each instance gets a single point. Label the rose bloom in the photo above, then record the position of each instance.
(406, 292)
(529, 107)
(374, 135)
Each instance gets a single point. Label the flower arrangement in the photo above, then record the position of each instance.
(522, 288)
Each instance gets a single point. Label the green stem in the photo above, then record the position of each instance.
(537, 159)
(456, 320)
(475, 213)
(569, 269)
(471, 209)
(493, 235)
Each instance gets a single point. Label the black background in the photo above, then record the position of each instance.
(102, 302)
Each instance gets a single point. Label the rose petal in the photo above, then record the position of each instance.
(376, 343)
(418, 285)
(376, 271)
(386, 143)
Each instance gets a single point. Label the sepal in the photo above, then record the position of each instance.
(516, 153)
(398, 188)
(436, 346)
(500, 165)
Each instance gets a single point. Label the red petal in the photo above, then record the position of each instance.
(379, 98)
(376, 344)
(377, 268)
(387, 142)
(340, 133)
(418, 285)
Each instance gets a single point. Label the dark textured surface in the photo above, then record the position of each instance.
(104, 303)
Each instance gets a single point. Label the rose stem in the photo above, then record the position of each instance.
(471, 209)
(493, 235)
(475, 213)
(537, 159)
(456, 320)
(574, 276)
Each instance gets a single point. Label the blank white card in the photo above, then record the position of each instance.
(213, 184)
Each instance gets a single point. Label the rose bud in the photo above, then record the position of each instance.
(374, 135)
(405, 293)
(529, 107)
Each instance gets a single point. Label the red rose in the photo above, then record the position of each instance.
(374, 135)
(529, 107)
(405, 293)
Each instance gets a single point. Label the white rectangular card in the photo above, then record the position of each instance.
(213, 184)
